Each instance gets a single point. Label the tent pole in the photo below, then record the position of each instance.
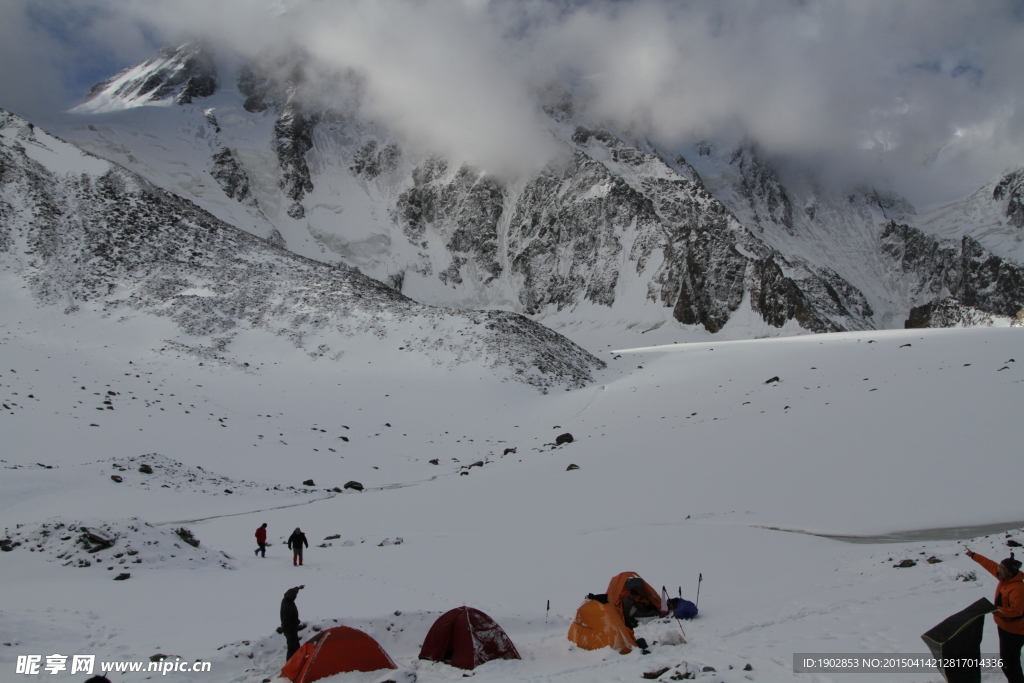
(312, 657)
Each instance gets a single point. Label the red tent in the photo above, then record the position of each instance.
(466, 637)
(333, 651)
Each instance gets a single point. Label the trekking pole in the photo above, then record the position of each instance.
(700, 577)
(674, 613)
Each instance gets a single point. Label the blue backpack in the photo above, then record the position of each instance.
(683, 609)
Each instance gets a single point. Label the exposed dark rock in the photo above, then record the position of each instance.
(229, 175)
(1011, 189)
(354, 485)
(122, 576)
(117, 478)
(572, 467)
(773, 379)
(509, 450)
(308, 482)
(903, 564)
(186, 535)
(145, 469)
(464, 207)
(563, 438)
(371, 160)
(293, 137)
(938, 269)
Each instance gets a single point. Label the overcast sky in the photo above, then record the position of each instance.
(925, 96)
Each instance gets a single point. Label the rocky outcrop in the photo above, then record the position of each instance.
(936, 269)
(1011, 190)
(371, 160)
(186, 72)
(464, 207)
(948, 312)
(293, 137)
(231, 177)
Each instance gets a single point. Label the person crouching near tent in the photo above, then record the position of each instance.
(290, 619)
(1009, 614)
(295, 542)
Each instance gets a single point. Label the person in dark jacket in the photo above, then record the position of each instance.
(290, 619)
(296, 542)
(261, 539)
(1009, 615)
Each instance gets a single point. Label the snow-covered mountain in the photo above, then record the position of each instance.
(83, 232)
(614, 231)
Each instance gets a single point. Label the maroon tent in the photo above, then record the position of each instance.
(466, 637)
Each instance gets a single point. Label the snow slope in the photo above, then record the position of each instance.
(690, 462)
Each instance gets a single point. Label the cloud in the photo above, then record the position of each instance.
(926, 96)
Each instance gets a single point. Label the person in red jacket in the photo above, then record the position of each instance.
(1009, 614)
(261, 539)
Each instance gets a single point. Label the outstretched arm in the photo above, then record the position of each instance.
(990, 566)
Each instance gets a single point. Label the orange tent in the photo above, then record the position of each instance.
(617, 590)
(333, 651)
(598, 624)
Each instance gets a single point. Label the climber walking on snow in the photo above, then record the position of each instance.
(1009, 615)
(296, 542)
(261, 540)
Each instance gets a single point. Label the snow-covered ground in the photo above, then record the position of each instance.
(691, 463)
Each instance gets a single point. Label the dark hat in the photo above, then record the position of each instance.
(1011, 563)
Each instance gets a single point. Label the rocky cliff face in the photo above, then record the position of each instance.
(937, 269)
(86, 234)
(1011, 190)
(613, 223)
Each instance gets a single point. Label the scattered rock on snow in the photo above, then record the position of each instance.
(773, 379)
(563, 438)
(572, 467)
(308, 482)
(186, 535)
(905, 563)
(355, 485)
